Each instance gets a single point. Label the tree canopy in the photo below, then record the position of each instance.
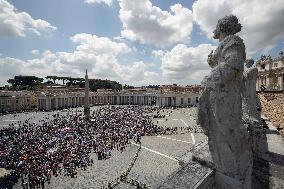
(30, 82)
(96, 84)
(25, 81)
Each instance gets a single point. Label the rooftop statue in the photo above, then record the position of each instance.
(263, 57)
(281, 54)
(220, 108)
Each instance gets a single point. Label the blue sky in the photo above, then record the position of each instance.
(135, 42)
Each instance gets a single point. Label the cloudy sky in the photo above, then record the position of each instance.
(138, 42)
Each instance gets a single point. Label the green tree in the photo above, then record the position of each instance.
(96, 84)
(11, 81)
(26, 82)
(54, 78)
(128, 87)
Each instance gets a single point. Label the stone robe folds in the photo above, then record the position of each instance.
(220, 110)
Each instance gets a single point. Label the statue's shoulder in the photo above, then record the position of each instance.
(232, 40)
(253, 71)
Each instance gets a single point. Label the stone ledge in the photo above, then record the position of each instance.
(191, 175)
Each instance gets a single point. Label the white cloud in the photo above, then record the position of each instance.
(35, 51)
(9, 67)
(98, 54)
(107, 2)
(262, 20)
(158, 53)
(149, 24)
(10, 64)
(15, 23)
(186, 63)
(98, 45)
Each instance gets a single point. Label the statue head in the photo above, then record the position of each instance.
(249, 63)
(228, 25)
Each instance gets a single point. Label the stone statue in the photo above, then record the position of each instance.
(220, 108)
(252, 110)
(251, 102)
(263, 57)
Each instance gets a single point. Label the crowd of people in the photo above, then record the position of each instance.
(8, 180)
(65, 143)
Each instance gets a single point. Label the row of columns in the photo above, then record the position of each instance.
(270, 81)
(58, 102)
(126, 100)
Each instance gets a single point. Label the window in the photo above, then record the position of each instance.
(196, 99)
(181, 100)
(263, 66)
(189, 100)
(275, 64)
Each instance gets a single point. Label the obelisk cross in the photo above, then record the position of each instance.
(87, 101)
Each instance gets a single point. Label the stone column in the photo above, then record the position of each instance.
(56, 103)
(280, 81)
(49, 104)
(87, 100)
(268, 83)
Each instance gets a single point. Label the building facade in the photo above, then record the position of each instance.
(59, 97)
(11, 101)
(270, 73)
(53, 101)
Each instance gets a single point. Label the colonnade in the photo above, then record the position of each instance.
(53, 102)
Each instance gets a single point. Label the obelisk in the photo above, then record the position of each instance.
(86, 101)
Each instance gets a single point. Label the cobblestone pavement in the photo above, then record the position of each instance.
(158, 159)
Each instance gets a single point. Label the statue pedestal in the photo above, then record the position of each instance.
(202, 155)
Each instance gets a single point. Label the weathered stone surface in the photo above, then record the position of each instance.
(194, 172)
(252, 110)
(251, 103)
(202, 155)
(220, 108)
(258, 138)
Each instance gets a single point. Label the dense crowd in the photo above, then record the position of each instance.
(62, 145)
(273, 107)
(8, 180)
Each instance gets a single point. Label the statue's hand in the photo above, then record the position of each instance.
(211, 60)
(210, 56)
(211, 53)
